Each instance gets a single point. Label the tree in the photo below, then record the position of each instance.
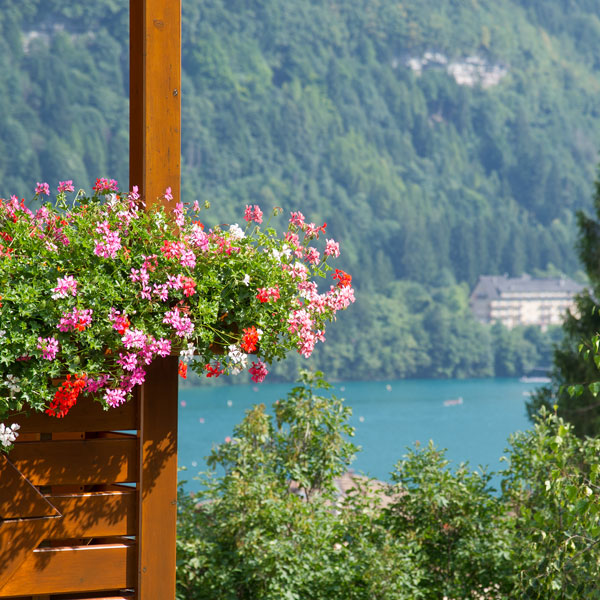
(461, 544)
(576, 358)
(267, 528)
(289, 102)
(551, 497)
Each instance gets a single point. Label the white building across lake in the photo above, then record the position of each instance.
(523, 300)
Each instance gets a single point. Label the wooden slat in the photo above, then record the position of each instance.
(158, 482)
(118, 595)
(105, 595)
(129, 597)
(101, 596)
(95, 514)
(111, 435)
(68, 435)
(86, 415)
(74, 569)
(29, 437)
(77, 462)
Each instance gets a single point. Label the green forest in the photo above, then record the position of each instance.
(439, 141)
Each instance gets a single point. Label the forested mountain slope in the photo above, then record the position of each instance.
(439, 139)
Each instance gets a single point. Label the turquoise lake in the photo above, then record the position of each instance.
(472, 418)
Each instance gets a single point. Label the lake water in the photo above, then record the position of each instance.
(471, 418)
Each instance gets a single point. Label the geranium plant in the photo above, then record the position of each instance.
(92, 290)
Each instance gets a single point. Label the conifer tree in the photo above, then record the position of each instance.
(572, 364)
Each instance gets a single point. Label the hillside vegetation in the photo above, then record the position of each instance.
(439, 140)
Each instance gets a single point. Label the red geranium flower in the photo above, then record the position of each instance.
(249, 339)
(182, 370)
(214, 371)
(66, 396)
(345, 280)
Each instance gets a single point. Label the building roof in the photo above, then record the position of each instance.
(494, 286)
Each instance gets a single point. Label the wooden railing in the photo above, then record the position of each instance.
(74, 497)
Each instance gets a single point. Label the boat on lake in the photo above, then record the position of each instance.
(534, 379)
(453, 401)
(536, 375)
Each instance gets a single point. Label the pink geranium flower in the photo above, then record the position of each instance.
(297, 219)
(332, 248)
(104, 185)
(65, 186)
(77, 319)
(182, 324)
(65, 286)
(259, 371)
(48, 346)
(115, 397)
(111, 241)
(42, 189)
(253, 213)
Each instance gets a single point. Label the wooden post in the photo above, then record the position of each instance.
(157, 491)
(154, 165)
(68, 511)
(155, 97)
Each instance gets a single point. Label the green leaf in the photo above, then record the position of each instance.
(575, 390)
(594, 387)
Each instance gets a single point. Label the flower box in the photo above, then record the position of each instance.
(93, 289)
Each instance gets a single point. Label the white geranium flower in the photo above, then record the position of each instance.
(160, 220)
(187, 354)
(246, 280)
(239, 360)
(236, 232)
(8, 434)
(285, 251)
(11, 383)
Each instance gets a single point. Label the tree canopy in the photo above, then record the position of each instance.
(575, 382)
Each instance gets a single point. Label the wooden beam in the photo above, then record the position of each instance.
(155, 98)
(93, 515)
(154, 165)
